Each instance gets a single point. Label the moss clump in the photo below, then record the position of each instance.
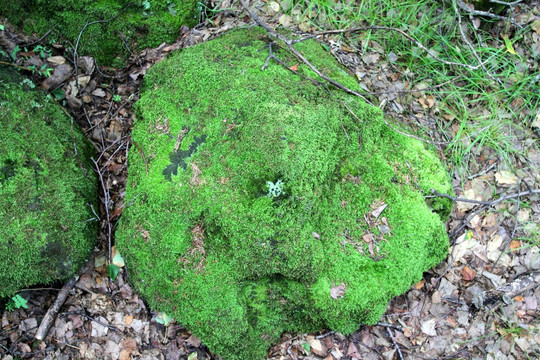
(46, 231)
(237, 260)
(141, 23)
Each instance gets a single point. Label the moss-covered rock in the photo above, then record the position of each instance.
(257, 197)
(139, 24)
(47, 229)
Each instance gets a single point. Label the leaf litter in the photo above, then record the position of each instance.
(444, 315)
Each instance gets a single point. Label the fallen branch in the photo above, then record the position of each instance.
(521, 284)
(463, 6)
(291, 47)
(51, 314)
(487, 203)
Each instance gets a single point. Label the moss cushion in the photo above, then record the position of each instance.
(136, 24)
(48, 228)
(261, 204)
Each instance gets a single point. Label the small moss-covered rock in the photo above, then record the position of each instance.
(136, 24)
(47, 228)
(261, 204)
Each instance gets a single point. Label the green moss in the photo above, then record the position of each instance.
(140, 24)
(237, 267)
(46, 231)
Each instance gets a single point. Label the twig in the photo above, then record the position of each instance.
(51, 314)
(463, 6)
(522, 283)
(388, 325)
(394, 342)
(92, 319)
(409, 37)
(106, 201)
(516, 222)
(488, 203)
(483, 171)
(467, 41)
(39, 40)
(505, 3)
(291, 47)
(74, 53)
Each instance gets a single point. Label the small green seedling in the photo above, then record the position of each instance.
(16, 302)
(163, 318)
(113, 269)
(117, 98)
(43, 51)
(1, 27)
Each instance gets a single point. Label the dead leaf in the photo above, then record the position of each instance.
(352, 351)
(468, 274)
(419, 284)
(428, 327)
(515, 244)
(294, 67)
(337, 291)
(377, 212)
(519, 298)
(505, 177)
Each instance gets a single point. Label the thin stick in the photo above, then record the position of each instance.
(463, 6)
(106, 201)
(394, 342)
(487, 203)
(51, 314)
(409, 37)
(289, 44)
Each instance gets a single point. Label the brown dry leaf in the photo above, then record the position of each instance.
(419, 284)
(367, 238)
(468, 274)
(317, 347)
(294, 67)
(407, 332)
(519, 298)
(128, 319)
(352, 351)
(515, 244)
(337, 291)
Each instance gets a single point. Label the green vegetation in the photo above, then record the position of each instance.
(16, 302)
(256, 196)
(135, 25)
(482, 110)
(45, 198)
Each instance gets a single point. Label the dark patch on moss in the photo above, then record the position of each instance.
(178, 158)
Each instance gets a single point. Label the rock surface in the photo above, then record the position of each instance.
(263, 203)
(48, 228)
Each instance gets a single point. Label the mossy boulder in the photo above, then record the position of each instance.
(48, 228)
(262, 203)
(137, 25)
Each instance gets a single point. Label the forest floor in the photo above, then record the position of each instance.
(482, 302)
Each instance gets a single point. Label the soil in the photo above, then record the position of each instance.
(481, 303)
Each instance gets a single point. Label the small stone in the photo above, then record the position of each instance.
(99, 92)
